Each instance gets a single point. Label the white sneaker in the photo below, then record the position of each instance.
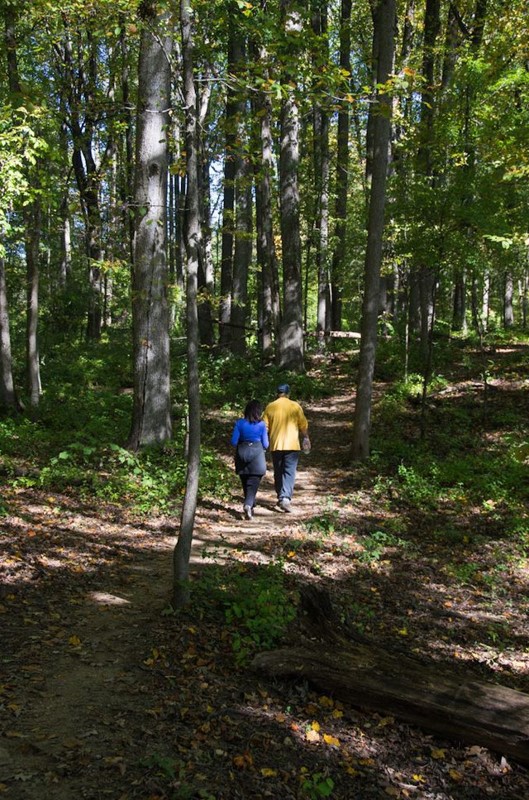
(284, 504)
(248, 512)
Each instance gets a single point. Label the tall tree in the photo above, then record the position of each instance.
(233, 112)
(31, 213)
(268, 301)
(321, 165)
(193, 239)
(8, 396)
(77, 63)
(151, 415)
(342, 170)
(427, 272)
(291, 345)
(380, 110)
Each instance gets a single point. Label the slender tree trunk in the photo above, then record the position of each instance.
(384, 40)
(32, 228)
(426, 273)
(81, 84)
(342, 173)
(508, 295)
(65, 265)
(206, 283)
(460, 308)
(33, 232)
(291, 350)
(193, 236)
(65, 243)
(128, 145)
(8, 397)
(151, 415)
(242, 257)
(266, 251)
(234, 110)
(321, 172)
(485, 306)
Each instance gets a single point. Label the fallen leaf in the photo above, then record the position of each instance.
(438, 753)
(266, 772)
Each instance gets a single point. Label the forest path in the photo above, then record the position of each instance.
(319, 475)
(83, 595)
(104, 693)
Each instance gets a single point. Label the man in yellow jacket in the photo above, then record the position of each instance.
(286, 422)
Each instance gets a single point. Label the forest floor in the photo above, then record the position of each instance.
(107, 694)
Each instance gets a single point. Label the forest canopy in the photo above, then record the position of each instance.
(228, 150)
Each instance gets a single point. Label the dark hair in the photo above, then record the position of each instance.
(253, 411)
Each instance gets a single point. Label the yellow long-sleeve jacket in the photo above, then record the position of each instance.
(285, 421)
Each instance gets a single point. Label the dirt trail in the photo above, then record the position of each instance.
(75, 685)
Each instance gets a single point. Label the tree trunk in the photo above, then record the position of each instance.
(206, 270)
(459, 311)
(384, 36)
(8, 398)
(33, 232)
(343, 663)
(127, 143)
(234, 110)
(32, 228)
(342, 172)
(367, 677)
(426, 273)
(151, 415)
(508, 295)
(242, 257)
(321, 171)
(268, 313)
(291, 329)
(81, 87)
(65, 266)
(193, 237)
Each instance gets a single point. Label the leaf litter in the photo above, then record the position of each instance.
(106, 693)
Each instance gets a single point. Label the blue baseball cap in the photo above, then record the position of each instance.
(283, 388)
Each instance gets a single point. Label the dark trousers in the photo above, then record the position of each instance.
(285, 465)
(250, 485)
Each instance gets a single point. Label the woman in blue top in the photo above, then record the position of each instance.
(250, 439)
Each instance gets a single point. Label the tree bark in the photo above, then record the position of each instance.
(8, 397)
(321, 171)
(384, 37)
(193, 238)
(151, 415)
(427, 276)
(33, 232)
(242, 256)
(366, 677)
(78, 94)
(32, 228)
(508, 295)
(346, 665)
(291, 350)
(234, 110)
(268, 311)
(342, 173)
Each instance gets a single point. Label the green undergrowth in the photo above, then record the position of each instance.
(256, 603)
(465, 448)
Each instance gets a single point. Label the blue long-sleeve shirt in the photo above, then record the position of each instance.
(245, 431)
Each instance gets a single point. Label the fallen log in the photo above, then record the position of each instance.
(365, 676)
